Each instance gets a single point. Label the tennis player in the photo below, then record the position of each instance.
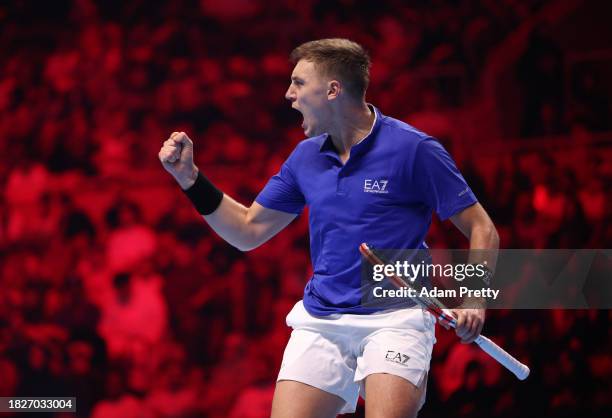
(366, 177)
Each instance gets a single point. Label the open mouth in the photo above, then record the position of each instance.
(303, 117)
(303, 124)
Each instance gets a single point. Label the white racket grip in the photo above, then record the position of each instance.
(503, 357)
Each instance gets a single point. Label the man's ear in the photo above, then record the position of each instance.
(333, 89)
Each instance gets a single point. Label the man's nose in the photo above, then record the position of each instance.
(290, 94)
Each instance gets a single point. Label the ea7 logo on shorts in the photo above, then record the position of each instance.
(375, 186)
(396, 357)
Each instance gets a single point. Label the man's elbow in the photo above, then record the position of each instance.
(491, 234)
(485, 233)
(248, 241)
(246, 246)
(495, 238)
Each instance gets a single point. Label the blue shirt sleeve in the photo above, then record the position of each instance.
(282, 191)
(436, 176)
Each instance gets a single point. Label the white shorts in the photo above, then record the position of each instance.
(336, 353)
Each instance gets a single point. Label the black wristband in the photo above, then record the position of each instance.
(205, 197)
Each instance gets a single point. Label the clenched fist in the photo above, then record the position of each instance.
(176, 155)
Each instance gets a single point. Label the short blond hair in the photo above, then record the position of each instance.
(337, 57)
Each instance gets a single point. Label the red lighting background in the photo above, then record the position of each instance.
(112, 288)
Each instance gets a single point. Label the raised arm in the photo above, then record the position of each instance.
(247, 228)
(244, 228)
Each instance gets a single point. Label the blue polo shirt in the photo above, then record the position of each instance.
(384, 195)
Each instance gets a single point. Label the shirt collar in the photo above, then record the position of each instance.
(328, 145)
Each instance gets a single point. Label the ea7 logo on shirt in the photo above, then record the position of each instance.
(396, 357)
(375, 186)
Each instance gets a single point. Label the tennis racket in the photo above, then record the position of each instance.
(445, 316)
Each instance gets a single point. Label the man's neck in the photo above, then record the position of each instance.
(352, 126)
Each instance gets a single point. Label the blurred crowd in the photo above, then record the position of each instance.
(115, 291)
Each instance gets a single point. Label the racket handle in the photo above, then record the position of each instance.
(503, 357)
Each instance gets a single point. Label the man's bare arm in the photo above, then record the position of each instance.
(476, 225)
(247, 228)
(244, 228)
